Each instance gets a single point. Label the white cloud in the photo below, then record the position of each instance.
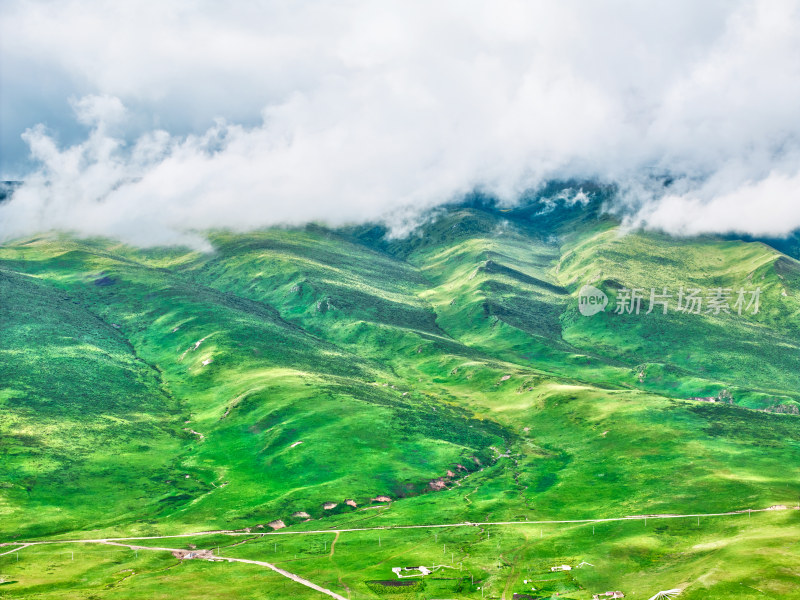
(202, 115)
(767, 207)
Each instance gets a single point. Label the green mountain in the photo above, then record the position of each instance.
(332, 379)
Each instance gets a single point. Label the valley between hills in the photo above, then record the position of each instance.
(336, 403)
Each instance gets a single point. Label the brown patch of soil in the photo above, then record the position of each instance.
(438, 484)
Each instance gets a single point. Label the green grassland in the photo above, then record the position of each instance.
(154, 392)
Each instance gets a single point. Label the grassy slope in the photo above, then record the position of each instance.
(88, 433)
(755, 352)
(269, 384)
(392, 363)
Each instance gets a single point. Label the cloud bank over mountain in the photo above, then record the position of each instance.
(147, 121)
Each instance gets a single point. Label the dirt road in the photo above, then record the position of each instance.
(120, 541)
(260, 563)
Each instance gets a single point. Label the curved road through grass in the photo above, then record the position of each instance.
(119, 541)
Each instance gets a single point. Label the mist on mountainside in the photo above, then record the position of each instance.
(385, 113)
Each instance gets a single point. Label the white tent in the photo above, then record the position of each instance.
(666, 594)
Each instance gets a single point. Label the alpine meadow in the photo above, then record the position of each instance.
(400, 301)
(297, 384)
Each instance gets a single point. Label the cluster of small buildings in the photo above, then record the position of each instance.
(189, 555)
(608, 595)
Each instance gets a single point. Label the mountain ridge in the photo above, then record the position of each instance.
(294, 369)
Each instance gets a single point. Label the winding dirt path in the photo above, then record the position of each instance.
(291, 576)
(338, 572)
(333, 544)
(512, 574)
(260, 563)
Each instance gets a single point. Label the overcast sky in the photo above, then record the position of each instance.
(146, 120)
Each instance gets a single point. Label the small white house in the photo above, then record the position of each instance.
(411, 571)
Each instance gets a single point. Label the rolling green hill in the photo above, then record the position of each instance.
(325, 379)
